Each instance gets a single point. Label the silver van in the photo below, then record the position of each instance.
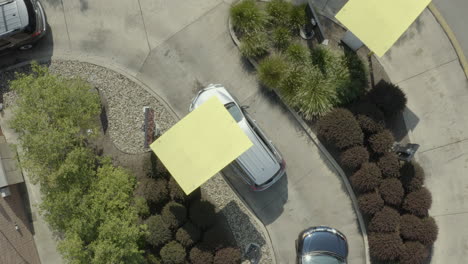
(261, 165)
(22, 23)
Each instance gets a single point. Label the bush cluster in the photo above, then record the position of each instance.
(424, 230)
(413, 253)
(370, 118)
(174, 214)
(228, 256)
(385, 246)
(154, 191)
(389, 98)
(389, 164)
(381, 142)
(367, 178)
(386, 220)
(418, 202)
(198, 255)
(370, 203)
(340, 128)
(412, 176)
(354, 157)
(188, 235)
(202, 214)
(392, 192)
(158, 231)
(173, 253)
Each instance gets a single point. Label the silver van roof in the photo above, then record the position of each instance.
(13, 16)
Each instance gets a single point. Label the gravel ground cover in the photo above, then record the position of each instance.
(126, 100)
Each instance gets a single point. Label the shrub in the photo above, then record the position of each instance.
(173, 253)
(254, 45)
(358, 74)
(385, 246)
(228, 256)
(367, 178)
(340, 128)
(298, 54)
(298, 16)
(215, 238)
(382, 142)
(174, 214)
(199, 255)
(293, 82)
(413, 253)
(175, 192)
(188, 235)
(202, 214)
(386, 220)
(279, 12)
(246, 17)
(392, 192)
(370, 203)
(352, 158)
(152, 259)
(142, 207)
(422, 230)
(389, 164)
(389, 98)
(369, 116)
(412, 176)
(272, 70)
(316, 97)
(158, 231)
(418, 202)
(154, 191)
(281, 38)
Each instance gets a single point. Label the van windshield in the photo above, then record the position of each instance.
(234, 111)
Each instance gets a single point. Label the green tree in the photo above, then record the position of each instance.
(51, 118)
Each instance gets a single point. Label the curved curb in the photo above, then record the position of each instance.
(322, 148)
(451, 36)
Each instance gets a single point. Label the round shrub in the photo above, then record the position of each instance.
(202, 214)
(174, 214)
(246, 17)
(418, 202)
(188, 235)
(173, 253)
(142, 207)
(281, 38)
(370, 118)
(392, 192)
(370, 203)
(154, 191)
(389, 164)
(298, 16)
(272, 70)
(254, 45)
(413, 253)
(382, 142)
(298, 53)
(423, 230)
(340, 128)
(215, 238)
(389, 98)
(293, 82)
(199, 255)
(352, 158)
(386, 220)
(175, 192)
(367, 178)
(385, 246)
(158, 231)
(279, 12)
(412, 176)
(228, 256)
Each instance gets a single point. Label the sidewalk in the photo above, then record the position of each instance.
(424, 64)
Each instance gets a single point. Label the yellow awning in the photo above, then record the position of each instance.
(379, 23)
(201, 144)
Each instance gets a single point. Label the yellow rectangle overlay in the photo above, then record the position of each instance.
(379, 23)
(201, 144)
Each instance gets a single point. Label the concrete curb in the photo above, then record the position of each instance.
(451, 35)
(322, 148)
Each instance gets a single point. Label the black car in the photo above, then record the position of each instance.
(321, 245)
(22, 23)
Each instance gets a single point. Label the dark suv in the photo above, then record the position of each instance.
(22, 23)
(321, 245)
